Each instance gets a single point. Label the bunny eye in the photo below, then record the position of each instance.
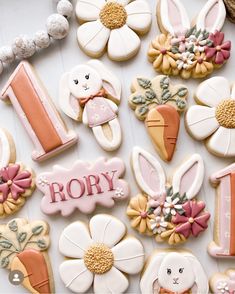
(181, 270)
(75, 82)
(87, 76)
(168, 271)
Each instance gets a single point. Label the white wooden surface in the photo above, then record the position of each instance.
(27, 16)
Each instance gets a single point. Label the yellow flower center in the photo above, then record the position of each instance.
(113, 15)
(225, 113)
(98, 259)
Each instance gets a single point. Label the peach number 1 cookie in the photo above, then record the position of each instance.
(223, 283)
(36, 112)
(16, 182)
(23, 248)
(158, 102)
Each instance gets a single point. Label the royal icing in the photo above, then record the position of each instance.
(36, 112)
(190, 52)
(90, 93)
(110, 24)
(174, 272)
(23, 248)
(5, 149)
(223, 283)
(158, 102)
(168, 213)
(104, 240)
(214, 119)
(83, 186)
(224, 244)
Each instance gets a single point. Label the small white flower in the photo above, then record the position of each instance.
(171, 206)
(223, 287)
(119, 193)
(43, 181)
(185, 60)
(158, 225)
(197, 43)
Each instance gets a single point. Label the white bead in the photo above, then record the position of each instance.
(42, 39)
(6, 54)
(23, 46)
(57, 26)
(1, 67)
(65, 8)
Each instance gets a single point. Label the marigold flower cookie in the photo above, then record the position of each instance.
(213, 120)
(169, 213)
(223, 283)
(99, 255)
(191, 52)
(16, 182)
(23, 248)
(114, 25)
(159, 103)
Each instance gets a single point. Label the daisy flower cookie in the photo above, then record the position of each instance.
(213, 120)
(169, 213)
(99, 256)
(112, 24)
(223, 283)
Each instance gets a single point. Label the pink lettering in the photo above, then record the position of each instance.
(81, 188)
(109, 179)
(59, 191)
(95, 184)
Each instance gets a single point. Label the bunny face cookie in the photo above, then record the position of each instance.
(173, 272)
(169, 214)
(189, 51)
(91, 93)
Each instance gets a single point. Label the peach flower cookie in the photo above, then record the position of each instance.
(185, 50)
(101, 255)
(16, 182)
(24, 252)
(169, 213)
(173, 272)
(223, 283)
(159, 103)
(114, 25)
(213, 120)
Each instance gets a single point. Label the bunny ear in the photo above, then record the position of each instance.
(148, 172)
(111, 83)
(173, 17)
(7, 148)
(189, 177)
(68, 103)
(212, 16)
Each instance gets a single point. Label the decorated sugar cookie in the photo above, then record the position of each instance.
(16, 182)
(224, 230)
(101, 255)
(213, 119)
(223, 283)
(173, 272)
(83, 186)
(114, 25)
(158, 102)
(185, 50)
(23, 248)
(167, 213)
(37, 113)
(90, 93)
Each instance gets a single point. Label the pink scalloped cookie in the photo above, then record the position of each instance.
(83, 186)
(223, 283)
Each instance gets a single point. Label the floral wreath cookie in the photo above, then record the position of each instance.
(23, 248)
(168, 213)
(223, 283)
(214, 119)
(99, 255)
(16, 182)
(113, 25)
(189, 51)
(158, 102)
(171, 272)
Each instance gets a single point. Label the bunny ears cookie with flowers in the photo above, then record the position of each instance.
(113, 24)
(168, 213)
(189, 51)
(90, 93)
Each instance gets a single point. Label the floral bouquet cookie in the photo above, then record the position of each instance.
(168, 213)
(185, 50)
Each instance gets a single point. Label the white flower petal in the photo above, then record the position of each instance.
(75, 275)
(201, 121)
(111, 282)
(74, 240)
(123, 44)
(87, 10)
(222, 142)
(139, 16)
(123, 2)
(106, 229)
(213, 90)
(129, 256)
(92, 37)
(167, 210)
(173, 212)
